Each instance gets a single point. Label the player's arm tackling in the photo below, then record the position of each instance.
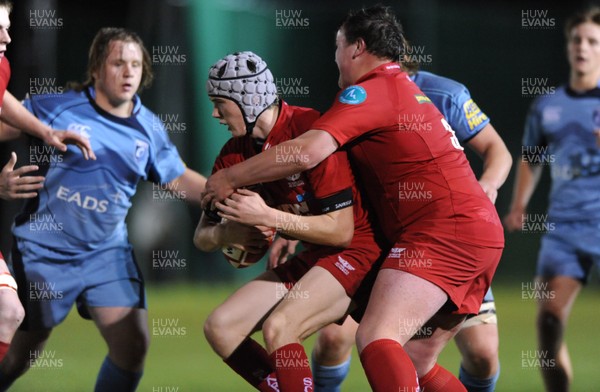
(332, 228)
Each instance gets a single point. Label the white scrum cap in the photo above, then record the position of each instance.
(244, 78)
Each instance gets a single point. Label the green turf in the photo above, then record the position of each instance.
(182, 361)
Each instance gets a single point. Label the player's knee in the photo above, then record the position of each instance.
(335, 338)
(141, 345)
(423, 353)
(131, 357)
(482, 359)
(333, 342)
(275, 328)
(549, 322)
(216, 327)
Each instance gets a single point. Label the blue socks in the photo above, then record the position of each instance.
(477, 384)
(112, 378)
(329, 378)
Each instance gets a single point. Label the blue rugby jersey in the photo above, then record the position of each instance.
(559, 132)
(454, 101)
(83, 204)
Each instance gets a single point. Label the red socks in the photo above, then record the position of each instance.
(293, 368)
(388, 367)
(3, 349)
(269, 384)
(251, 361)
(439, 379)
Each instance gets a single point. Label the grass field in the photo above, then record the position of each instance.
(181, 360)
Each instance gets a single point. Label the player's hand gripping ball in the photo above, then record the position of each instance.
(240, 258)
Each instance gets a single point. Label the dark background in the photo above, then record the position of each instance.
(483, 44)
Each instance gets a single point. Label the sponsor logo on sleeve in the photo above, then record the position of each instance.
(473, 114)
(422, 98)
(353, 95)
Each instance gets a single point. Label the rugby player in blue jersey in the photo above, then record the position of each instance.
(560, 132)
(71, 244)
(478, 337)
(14, 183)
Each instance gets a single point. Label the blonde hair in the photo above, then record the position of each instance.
(6, 4)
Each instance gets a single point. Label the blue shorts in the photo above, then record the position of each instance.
(569, 249)
(50, 282)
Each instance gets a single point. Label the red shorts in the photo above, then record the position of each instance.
(349, 266)
(464, 271)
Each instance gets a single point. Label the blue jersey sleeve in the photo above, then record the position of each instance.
(454, 101)
(27, 103)
(166, 164)
(465, 117)
(533, 142)
(533, 134)
(47, 108)
(37, 110)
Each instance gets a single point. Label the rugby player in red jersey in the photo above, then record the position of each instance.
(423, 191)
(478, 339)
(320, 207)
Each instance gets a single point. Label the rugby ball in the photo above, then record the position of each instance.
(240, 258)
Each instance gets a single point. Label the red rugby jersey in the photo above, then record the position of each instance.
(413, 169)
(4, 77)
(326, 187)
